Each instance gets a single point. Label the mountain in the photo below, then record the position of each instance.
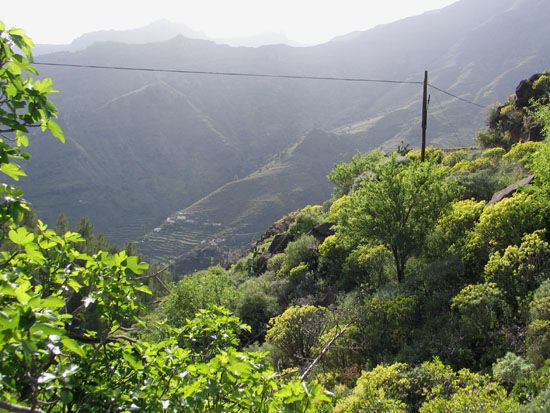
(145, 145)
(159, 31)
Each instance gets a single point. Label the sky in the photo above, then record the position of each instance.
(302, 21)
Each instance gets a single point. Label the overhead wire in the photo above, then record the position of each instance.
(216, 73)
(455, 96)
(260, 75)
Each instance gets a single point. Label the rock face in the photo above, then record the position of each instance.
(322, 231)
(279, 243)
(509, 190)
(525, 90)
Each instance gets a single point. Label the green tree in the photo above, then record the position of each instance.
(397, 207)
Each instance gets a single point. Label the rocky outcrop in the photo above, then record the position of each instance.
(322, 231)
(510, 190)
(526, 90)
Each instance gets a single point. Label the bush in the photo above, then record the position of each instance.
(487, 399)
(538, 331)
(306, 220)
(500, 225)
(510, 369)
(379, 390)
(523, 153)
(296, 333)
(303, 250)
(520, 269)
(198, 291)
(368, 266)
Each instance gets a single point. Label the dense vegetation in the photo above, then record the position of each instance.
(410, 290)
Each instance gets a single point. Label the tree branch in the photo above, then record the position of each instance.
(310, 368)
(10, 407)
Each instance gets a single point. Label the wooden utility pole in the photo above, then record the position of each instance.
(424, 115)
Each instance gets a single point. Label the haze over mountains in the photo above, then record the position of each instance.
(223, 157)
(159, 31)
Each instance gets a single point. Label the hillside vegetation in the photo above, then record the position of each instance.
(418, 287)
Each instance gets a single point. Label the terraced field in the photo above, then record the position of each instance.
(178, 235)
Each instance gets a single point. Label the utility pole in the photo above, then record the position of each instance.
(424, 115)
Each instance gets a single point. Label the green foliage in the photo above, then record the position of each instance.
(368, 267)
(523, 153)
(433, 155)
(307, 218)
(454, 157)
(345, 175)
(481, 307)
(482, 312)
(520, 269)
(533, 387)
(541, 168)
(472, 399)
(397, 208)
(377, 391)
(501, 224)
(453, 226)
(511, 368)
(296, 333)
(197, 291)
(24, 104)
(382, 326)
(257, 305)
(538, 331)
(303, 250)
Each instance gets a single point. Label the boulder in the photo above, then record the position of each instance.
(509, 190)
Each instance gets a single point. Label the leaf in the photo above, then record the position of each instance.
(21, 236)
(56, 130)
(135, 266)
(73, 346)
(22, 140)
(34, 253)
(73, 237)
(144, 289)
(12, 170)
(47, 329)
(132, 361)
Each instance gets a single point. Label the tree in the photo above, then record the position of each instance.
(397, 207)
(24, 104)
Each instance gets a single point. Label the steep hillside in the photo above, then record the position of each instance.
(466, 48)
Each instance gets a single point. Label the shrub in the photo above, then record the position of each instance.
(296, 333)
(306, 220)
(511, 368)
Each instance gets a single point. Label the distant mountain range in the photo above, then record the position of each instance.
(188, 159)
(159, 31)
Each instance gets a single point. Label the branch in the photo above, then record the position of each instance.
(94, 340)
(17, 408)
(310, 368)
(155, 275)
(15, 130)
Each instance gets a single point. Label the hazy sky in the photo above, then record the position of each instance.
(304, 21)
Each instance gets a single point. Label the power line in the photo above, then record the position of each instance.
(455, 96)
(200, 72)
